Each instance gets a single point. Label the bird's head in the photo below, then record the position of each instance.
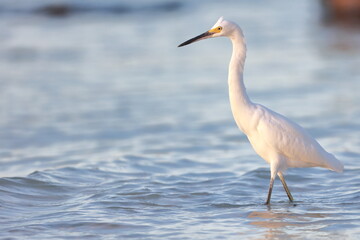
(221, 28)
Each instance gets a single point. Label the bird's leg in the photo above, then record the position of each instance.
(274, 168)
(270, 190)
(281, 176)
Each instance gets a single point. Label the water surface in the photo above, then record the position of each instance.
(108, 131)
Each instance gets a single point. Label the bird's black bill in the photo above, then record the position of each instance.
(197, 38)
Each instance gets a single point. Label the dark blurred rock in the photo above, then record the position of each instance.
(63, 10)
(55, 10)
(347, 11)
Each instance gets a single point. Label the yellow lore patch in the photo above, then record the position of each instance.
(215, 30)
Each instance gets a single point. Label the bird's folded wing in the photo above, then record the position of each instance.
(290, 140)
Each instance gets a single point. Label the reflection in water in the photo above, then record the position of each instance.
(277, 222)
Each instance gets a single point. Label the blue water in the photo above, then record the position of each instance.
(109, 131)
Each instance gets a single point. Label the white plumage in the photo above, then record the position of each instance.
(279, 141)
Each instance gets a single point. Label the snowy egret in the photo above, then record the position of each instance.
(279, 141)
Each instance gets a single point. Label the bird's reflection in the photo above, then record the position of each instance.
(277, 222)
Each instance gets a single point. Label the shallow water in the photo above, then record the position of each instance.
(110, 131)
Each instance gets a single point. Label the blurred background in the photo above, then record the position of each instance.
(108, 129)
(83, 82)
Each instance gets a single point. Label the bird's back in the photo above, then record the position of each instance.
(280, 135)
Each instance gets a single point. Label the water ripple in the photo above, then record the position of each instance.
(122, 204)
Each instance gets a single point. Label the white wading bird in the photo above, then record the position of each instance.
(279, 141)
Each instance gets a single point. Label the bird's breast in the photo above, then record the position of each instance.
(246, 117)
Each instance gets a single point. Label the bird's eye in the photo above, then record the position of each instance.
(219, 29)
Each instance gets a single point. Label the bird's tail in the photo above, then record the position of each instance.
(334, 164)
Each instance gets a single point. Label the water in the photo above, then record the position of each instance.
(108, 131)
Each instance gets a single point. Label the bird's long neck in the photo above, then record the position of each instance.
(240, 102)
